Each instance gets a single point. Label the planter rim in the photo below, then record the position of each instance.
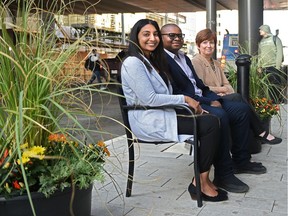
(39, 195)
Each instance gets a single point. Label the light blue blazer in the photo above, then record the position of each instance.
(142, 87)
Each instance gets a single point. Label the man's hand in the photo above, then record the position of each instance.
(216, 104)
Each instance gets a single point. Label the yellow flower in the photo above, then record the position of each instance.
(24, 160)
(35, 151)
(38, 150)
(6, 186)
(21, 184)
(6, 165)
(24, 146)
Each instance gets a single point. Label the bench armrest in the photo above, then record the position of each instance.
(174, 106)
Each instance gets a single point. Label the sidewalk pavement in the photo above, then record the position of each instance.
(162, 177)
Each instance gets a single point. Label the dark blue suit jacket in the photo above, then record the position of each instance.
(182, 85)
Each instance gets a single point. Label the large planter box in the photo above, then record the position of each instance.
(58, 204)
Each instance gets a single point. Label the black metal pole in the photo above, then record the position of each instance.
(211, 18)
(250, 18)
(243, 63)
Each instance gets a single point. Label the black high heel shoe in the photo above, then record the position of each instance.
(220, 197)
(219, 190)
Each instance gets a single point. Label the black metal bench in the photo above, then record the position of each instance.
(132, 140)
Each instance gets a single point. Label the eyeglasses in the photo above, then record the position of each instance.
(173, 36)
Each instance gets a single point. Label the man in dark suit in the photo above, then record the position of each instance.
(234, 116)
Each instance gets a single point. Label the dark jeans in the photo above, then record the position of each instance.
(255, 122)
(277, 82)
(95, 74)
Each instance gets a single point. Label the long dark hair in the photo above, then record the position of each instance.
(157, 57)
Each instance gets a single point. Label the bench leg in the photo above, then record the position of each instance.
(130, 168)
(197, 175)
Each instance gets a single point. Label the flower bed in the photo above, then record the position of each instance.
(264, 108)
(59, 163)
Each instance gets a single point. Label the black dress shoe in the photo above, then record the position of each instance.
(232, 184)
(220, 197)
(250, 168)
(274, 141)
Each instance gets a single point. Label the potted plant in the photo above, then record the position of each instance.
(55, 170)
(45, 152)
(265, 109)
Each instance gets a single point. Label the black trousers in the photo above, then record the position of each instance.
(208, 128)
